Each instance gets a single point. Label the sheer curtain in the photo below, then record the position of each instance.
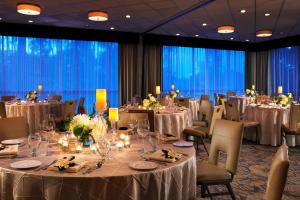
(196, 71)
(70, 68)
(285, 70)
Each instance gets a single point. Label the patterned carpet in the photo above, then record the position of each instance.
(251, 178)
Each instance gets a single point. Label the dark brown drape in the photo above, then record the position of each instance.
(257, 71)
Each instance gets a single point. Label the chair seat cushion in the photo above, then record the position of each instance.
(247, 123)
(211, 173)
(196, 131)
(200, 123)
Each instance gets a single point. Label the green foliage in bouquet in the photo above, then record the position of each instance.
(31, 96)
(83, 133)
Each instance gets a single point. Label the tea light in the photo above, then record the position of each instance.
(127, 144)
(126, 138)
(78, 148)
(139, 107)
(93, 148)
(122, 136)
(120, 145)
(65, 145)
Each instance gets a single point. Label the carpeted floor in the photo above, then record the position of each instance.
(254, 165)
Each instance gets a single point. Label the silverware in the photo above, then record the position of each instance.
(156, 161)
(91, 169)
(45, 166)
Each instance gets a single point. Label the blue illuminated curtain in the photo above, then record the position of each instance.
(196, 71)
(69, 68)
(285, 70)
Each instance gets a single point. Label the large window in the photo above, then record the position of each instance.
(69, 68)
(196, 71)
(285, 70)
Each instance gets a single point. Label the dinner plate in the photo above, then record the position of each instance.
(143, 165)
(26, 164)
(11, 142)
(183, 144)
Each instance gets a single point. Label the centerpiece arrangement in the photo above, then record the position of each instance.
(87, 129)
(150, 102)
(174, 93)
(284, 100)
(32, 95)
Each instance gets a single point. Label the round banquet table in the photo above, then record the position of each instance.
(242, 102)
(271, 118)
(34, 113)
(114, 180)
(173, 122)
(194, 106)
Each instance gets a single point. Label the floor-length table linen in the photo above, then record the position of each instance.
(194, 106)
(114, 180)
(242, 102)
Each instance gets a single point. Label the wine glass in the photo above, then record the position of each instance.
(34, 141)
(133, 125)
(103, 148)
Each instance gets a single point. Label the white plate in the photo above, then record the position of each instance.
(11, 142)
(183, 144)
(26, 164)
(143, 165)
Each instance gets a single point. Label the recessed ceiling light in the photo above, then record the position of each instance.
(28, 9)
(264, 33)
(231, 38)
(267, 14)
(247, 40)
(243, 11)
(30, 21)
(128, 16)
(112, 28)
(226, 29)
(204, 24)
(177, 34)
(196, 35)
(97, 15)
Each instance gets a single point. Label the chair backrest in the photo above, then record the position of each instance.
(204, 97)
(205, 110)
(125, 118)
(81, 101)
(150, 116)
(182, 101)
(81, 108)
(226, 137)
(230, 94)
(232, 112)
(137, 99)
(294, 117)
(55, 98)
(278, 174)
(222, 103)
(69, 109)
(13, 128)
(217, 99)
(217, 113)
(2, 110)
(7, 98)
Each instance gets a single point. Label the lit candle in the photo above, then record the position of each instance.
(127, 144)
(113, 114)
(126, 138)
(253, 87)
(93, 148)
(79, 147)
(157, 90)
(172, 87)
(40, 88)
(120, 145)
(279, 90)
(122, 136)
(100, 99)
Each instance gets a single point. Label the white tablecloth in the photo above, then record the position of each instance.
(271, 119)
(194, 106)
(242, 102)
(35, 113)
(173, 123)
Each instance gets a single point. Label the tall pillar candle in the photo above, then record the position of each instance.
(100, 99)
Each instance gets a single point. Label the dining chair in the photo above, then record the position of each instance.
(293, 127)
(2, 110)
(222, 103)
(204, 114)
(204, 97)
(233, 114)
(230, 94)
(150, 116)
(7, 98)
(199, 132)
(227, 138)
(183, 102)
(81, 108)
(136, 99)
(55, 98)
(69, 110)
(217, 99)
(13, 128)
(278, 174)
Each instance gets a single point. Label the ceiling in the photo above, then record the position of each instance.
(284, 20)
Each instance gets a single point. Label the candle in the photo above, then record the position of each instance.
(253, 87)
(93, 148)
(172, 87)
(40, 88)
(122, 136)
(127, 144)
(79, 147)
(279, 90)
(126, 138)
(113, 114)
(120, 145)
(100, 99)
(157, 90)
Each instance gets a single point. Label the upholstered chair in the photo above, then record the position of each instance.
(7, 98)
(205, 112)
(81, 108)
(278, 174)
(230, 94)
(69, 109)
(227, 138)
(150, 114)
(217, 99)
(2, 110)
(204, 97)
(182, 102)
(13, 128)
(233, 114)
(55, 98)
(222, 103)
(200, 132)
(293, 128)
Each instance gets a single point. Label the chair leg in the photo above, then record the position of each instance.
(201, 138)
(230, 190)
(257, 134)
(202, 190)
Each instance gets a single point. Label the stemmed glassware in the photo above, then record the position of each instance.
(34, 141)
(103, 148)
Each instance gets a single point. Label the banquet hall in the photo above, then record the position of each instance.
(149, 99)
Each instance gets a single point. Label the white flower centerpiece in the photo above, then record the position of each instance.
(251, 93)
(174, 93)
(32, 96)
(150, 102)
(88, 129)
(285, 100)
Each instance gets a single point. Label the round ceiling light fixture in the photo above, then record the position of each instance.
(264, 33)
(28, 9)
(97, 15)
(226, 29)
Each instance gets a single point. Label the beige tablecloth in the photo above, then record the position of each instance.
(173, 123)
(194, 106)
(271, 119)
(114, 180)
(242, 102)
(35, 113)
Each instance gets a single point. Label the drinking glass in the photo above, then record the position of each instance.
(142, 130)
(34, 141)
(153, 140)
(133, 125)
(103, 148)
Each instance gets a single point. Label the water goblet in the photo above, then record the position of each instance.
(34, 141)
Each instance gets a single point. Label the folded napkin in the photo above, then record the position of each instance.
(69, 165)
(168, 138)
(6, 150)
(165, 155)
